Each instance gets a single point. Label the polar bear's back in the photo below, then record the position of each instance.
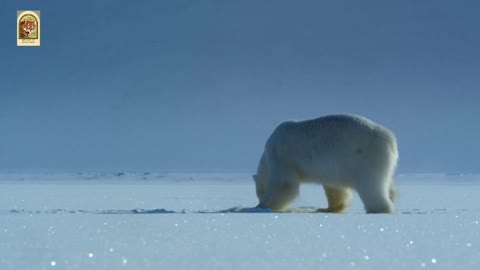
(332, 144)
(334, 130)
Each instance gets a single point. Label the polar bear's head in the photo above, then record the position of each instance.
(277, 196)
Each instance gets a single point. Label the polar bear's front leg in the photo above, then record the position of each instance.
(279, 195)
(338, 199)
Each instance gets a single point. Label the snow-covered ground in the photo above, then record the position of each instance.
(137, 220)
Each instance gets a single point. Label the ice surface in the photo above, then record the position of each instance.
(121, 220)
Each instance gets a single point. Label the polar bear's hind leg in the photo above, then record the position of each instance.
(375, 197)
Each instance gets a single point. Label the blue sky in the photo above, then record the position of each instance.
(201, 84)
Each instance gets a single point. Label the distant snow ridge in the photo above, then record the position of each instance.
(125, 176)
(202, 177)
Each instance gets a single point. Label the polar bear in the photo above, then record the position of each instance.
(341, 152)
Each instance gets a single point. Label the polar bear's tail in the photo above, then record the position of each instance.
(392, 192)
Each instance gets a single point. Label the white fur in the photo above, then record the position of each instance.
(342, 152)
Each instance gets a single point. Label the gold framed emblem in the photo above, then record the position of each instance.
(28, 27)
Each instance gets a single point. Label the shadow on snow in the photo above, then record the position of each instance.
(238, 209)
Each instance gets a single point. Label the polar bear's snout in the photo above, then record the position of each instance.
(259, 187)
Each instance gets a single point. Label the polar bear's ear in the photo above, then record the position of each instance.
(254, 177)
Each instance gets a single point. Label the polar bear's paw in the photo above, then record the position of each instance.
(338, 209)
